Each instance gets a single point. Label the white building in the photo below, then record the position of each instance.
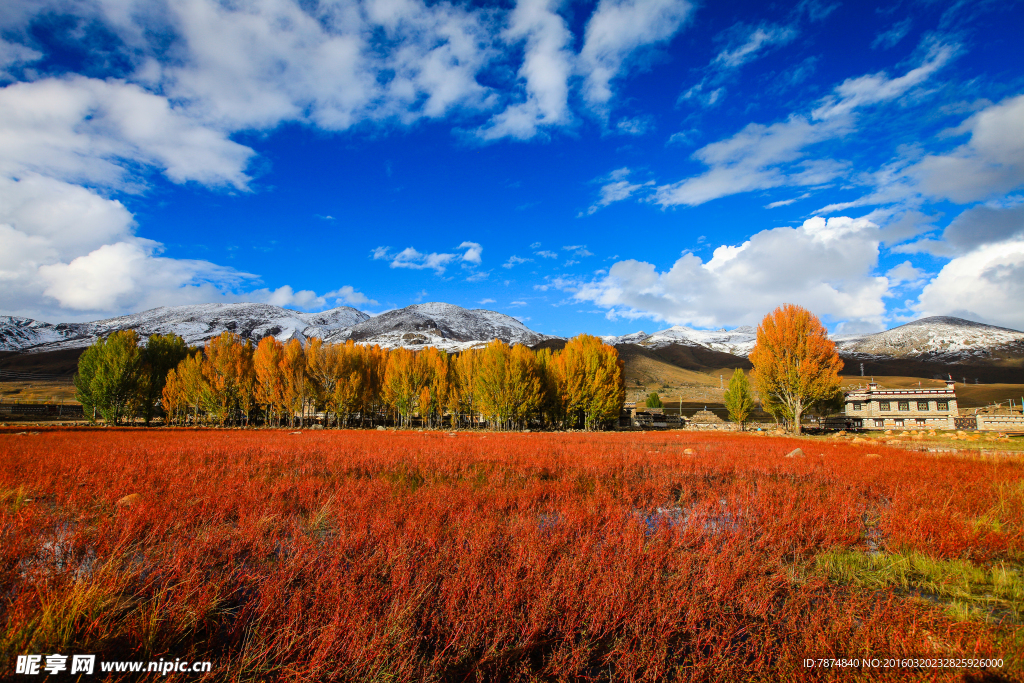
(903, 408)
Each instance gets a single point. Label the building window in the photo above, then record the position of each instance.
(904, 405)
(942, 405)
(922, 405)
(857, 405)
(879, 423)
(898, 422)
(921, 421)
(884, 405)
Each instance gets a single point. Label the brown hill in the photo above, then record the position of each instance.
(62, 363)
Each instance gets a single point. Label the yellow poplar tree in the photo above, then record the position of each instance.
(795, 363)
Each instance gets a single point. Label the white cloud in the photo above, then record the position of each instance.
(515, 261)
(762, 157)
(825, 266)
(876, 88)
(746, 43)
(349, 296)
(547, 64)
(617, 190)
(257, 64)
(14, 54)
(70, 219)
(472, 253)
(638, 125)
(895, 34)
(97, 132)
(757, 39)
(904, 272)
(484, 302)
(616, 30)
(990, 163)
(129, 276)
(438, 262)
(706, 95)
(286, 296)
(986, 284)
(578, 250)
(787, 202)
(410, 258)
(66, 247)
(975, 227)
(758, 157)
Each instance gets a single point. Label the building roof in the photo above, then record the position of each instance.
(874, 392)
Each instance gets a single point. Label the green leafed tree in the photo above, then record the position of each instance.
(653, 400)
(112, 377)
(739, 398)
(830, 404)
(162, 354)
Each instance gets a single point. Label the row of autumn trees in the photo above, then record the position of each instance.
(230, 381)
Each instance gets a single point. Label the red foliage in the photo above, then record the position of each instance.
(425, 556)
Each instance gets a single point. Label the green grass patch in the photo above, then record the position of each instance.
(14, 499)
(967, 591)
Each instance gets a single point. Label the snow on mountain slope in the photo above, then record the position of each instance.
(195, 324)
(632, 338)
(938, 337)
(445, 326)
(454, 328)
(441, 325)
(22, 333)
(738, 342)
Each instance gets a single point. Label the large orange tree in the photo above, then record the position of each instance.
(795, 363)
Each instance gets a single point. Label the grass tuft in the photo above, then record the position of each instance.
(966, 590)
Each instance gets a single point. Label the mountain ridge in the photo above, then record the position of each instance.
(432, 324)
(933, 338)
(454, 328)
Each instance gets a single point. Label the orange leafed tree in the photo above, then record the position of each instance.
(267, 364)
(795, 363)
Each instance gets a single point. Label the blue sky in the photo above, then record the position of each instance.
(587, 167)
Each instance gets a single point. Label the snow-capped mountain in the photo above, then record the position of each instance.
(738, 342)
(454, 328)
(441, 325)
(445, 326)
(939, 338)
(195, 324)
(22, 333)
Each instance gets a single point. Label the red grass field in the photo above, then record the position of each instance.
(373, 556)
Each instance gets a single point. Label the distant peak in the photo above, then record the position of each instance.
(955, 322)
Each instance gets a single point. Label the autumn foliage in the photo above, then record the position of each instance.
(368, 556)
(507, 387)
(795, 363)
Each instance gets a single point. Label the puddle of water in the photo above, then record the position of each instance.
(723, 520)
